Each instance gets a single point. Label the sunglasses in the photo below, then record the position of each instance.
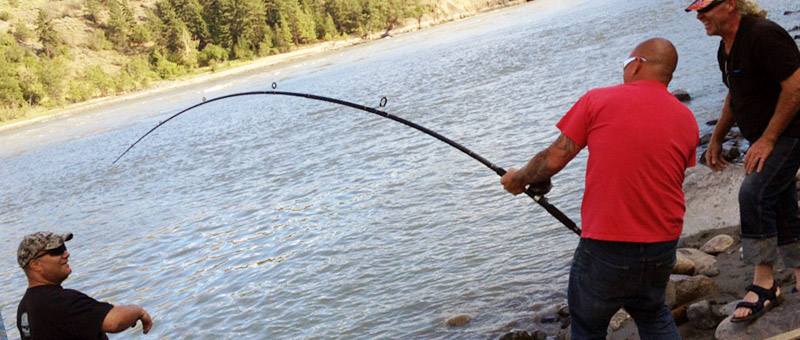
(52, 252)
(710, 7)
(627, 62)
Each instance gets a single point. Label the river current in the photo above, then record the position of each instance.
(266, 217)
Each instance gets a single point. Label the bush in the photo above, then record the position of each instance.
(212, 53)
(139, 70)
(5, 16)
(98, 41)
(22, 32)
(99, 79)
(78, 91)
(164, 68)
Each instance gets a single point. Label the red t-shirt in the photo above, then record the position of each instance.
(641, 140)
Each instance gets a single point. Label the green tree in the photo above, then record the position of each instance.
(191, 13)
(120, 24)
(304, 30)
(329, 28)
(283, 36)
(48, 35)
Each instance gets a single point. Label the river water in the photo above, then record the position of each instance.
(266, 217)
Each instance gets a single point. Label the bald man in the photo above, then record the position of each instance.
(641, 139)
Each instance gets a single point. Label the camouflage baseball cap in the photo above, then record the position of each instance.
(34, 243)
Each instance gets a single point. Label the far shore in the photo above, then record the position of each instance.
(303, 52)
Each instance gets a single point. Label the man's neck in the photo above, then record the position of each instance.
(36, 282)
(730, 30)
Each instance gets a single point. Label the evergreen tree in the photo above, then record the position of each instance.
(48, 35)
(329, 28)
(121, 24)
(304, 29)
(284, 34)
(191, 13)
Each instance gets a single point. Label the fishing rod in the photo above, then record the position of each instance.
(538, 198)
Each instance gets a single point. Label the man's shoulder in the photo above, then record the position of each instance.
(757, 27)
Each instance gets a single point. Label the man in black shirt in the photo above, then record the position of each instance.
(760, 65)
(48, 311)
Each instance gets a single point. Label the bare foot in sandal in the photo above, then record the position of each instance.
(756, 302)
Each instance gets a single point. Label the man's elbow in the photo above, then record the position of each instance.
(117, 319)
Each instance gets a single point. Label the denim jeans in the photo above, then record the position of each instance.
(606, 276)
(768, 208)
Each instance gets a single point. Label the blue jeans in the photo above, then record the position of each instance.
(606, 276)
(768, 208)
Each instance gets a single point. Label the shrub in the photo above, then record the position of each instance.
(22, 32)
(78, 91)
(99, 79)
(5, 16)
(98, 41)
(212, 53)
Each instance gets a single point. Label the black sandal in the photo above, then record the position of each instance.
(766, 300)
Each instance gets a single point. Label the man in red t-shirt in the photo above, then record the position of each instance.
(641, 139)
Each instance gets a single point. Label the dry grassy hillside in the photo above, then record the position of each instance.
(78, 32)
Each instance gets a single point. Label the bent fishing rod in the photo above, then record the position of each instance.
(538, 198)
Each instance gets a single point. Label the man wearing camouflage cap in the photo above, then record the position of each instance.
(48, 311)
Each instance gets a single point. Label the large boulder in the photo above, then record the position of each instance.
(781, 319)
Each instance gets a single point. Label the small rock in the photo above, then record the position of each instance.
(700, 259)
(517, 335)
(683, 265)
(563, 312)
(679, 315)
(709, 271)
(618, 319)
(795, 28)
(458, 321)
(790, 12)
(705, 139)
(702, 316)
(682, 95)
(712, 122)
(539, 335)
(717, 244)
(689, 288)
(731, 155)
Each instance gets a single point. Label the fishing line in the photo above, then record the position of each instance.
(540, 199)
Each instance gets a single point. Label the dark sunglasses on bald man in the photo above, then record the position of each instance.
(52, 252)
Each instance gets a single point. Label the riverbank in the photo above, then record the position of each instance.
(447, 11)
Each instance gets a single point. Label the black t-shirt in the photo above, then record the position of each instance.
(52, 312)
(762, 56)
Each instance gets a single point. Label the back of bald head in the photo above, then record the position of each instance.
(662, 59)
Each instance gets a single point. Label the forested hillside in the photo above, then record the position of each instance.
(54, 53)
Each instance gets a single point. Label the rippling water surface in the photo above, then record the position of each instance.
(267, 217)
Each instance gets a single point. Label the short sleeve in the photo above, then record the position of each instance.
(84, 315)
(575, 124)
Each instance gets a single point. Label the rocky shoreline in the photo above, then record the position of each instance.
(708, 280)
